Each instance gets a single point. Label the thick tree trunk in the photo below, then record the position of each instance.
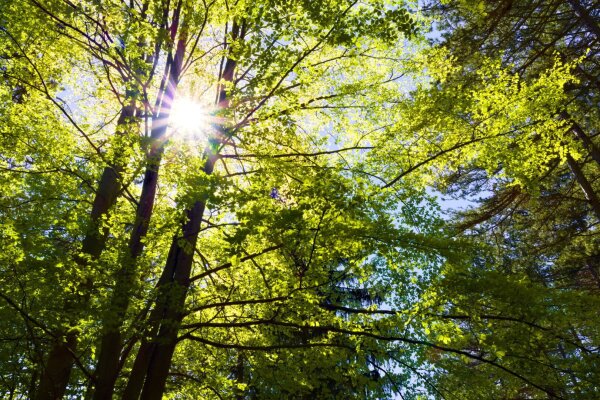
(140, 365)
(182, 256)
(108, 361)
(153, 360)
(111, 342)
(136, 378)
(585, 185)
(57, 369)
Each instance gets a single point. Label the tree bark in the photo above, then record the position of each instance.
(148, 377)
(111, 343)
(238, 375)
(580, 134)
(585, 185)
(585, 16)
(153, 360)
(182, 256)
(587, 142)
(57, 369)
(56, 375)
(142, 359)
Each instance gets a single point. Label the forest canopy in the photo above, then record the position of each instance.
(299, 199)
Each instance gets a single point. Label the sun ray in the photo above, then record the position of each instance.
(189, 119)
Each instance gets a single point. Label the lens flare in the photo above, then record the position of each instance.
(189, 119)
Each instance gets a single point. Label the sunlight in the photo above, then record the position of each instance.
(189, 119)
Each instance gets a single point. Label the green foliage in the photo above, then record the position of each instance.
(322, 267)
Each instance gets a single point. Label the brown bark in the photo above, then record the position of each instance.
(140, 365)
(57, 369)
(587, 142)
(593, 273)
(137, 375)
(108, 361)
(238, 374)
(181, 257)
(153, 361)
(56, 374)
(580, 134)
(585, 185)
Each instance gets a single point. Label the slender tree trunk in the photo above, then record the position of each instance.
(592, 267)
(585, 185)
(580, 134)
(111, 342)
(587, 142)
(33, 384)
(238, 374)
(585, 16)
(153, 361)
(57, 368)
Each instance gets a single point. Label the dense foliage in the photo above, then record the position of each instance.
(217, 199)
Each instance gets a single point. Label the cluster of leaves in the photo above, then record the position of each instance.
(529, 152)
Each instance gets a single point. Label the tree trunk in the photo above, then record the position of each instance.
(585, 185)
(149, 374)
(182, 256)
(238, 375)
(585, 16)
(153, 360)
(581, 135)
(142, 359)
(57, 369)
(587, 142)
(108, 361)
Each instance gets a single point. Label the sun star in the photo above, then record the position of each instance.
(189, 118)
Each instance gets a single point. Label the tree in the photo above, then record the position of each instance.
(115, 40)
(288, 247)
(533, 35)
(509, 127)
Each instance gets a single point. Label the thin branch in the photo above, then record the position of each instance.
(315, 154)
(228, 264)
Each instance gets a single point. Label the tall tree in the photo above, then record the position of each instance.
(276, 238)
(113, 46)
(509, 126)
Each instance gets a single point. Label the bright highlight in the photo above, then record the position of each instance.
(189, 118)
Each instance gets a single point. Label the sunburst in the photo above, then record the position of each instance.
(189, 119)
